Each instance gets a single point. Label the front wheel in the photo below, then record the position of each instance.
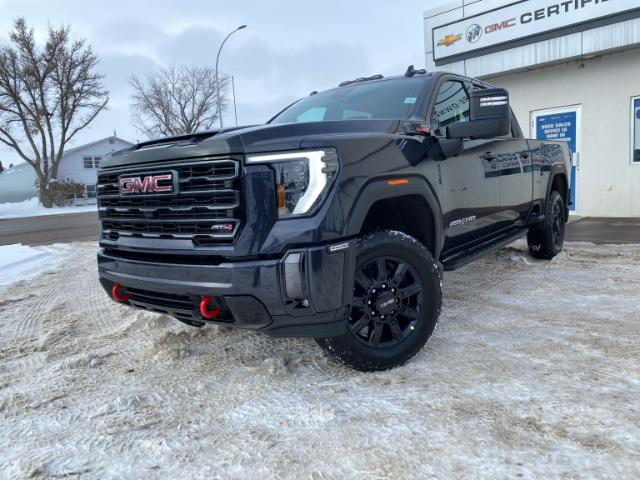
(547, 242)
(396, 303)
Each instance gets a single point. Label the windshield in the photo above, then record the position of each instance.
(387, 99)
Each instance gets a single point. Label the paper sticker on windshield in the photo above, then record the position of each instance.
(410, 100)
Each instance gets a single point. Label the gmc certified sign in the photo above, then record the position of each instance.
(526, 19)
(161, 183)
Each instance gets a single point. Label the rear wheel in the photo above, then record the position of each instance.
(396, 303)
(547, 242)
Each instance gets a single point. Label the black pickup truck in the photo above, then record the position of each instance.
(334, 220)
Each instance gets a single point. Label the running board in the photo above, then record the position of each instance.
(461, 259)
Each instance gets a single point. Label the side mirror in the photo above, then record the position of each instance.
(490, 116)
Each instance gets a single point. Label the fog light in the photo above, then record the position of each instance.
(293, 270)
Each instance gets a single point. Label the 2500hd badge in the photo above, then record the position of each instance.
(338, 228)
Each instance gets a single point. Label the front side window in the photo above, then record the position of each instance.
(451, 105)
(394, 99)
(635, 128)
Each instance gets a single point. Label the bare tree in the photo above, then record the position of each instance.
(47, 95)
(176, 100)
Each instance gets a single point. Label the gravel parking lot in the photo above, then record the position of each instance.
(533, 372)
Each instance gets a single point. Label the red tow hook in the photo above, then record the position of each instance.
(117, 293)
(204, 308)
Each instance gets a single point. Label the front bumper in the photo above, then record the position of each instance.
(252, 293)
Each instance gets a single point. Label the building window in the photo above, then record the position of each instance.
(91, 162)
(635, 130)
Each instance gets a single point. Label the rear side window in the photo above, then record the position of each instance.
(451, 105)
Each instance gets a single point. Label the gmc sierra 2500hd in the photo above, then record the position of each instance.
(335, 219)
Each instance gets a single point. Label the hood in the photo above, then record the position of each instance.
(244, 140)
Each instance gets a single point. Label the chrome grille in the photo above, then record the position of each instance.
(206, 208)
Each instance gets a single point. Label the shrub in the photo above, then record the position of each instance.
(62, 193)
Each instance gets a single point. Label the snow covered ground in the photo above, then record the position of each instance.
(532, 372)
(33, 208)
(19, 262)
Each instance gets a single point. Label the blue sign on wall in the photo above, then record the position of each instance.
(562, 127)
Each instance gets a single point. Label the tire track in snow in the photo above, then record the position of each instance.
(100, 306)
(19, 345)
(31, 322)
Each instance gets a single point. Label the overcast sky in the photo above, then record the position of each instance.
(290, 47)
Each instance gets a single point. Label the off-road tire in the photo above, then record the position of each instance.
(547, 242)
(414, 315)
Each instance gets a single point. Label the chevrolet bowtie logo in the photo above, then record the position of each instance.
(449, 40)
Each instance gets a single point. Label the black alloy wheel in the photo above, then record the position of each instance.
(557, 223)
(546, 240)
(396, 303)
(387, 303)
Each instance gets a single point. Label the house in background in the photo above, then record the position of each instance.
(17, 183)
(78, 164)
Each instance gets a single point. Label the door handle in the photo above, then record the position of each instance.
(490, 156)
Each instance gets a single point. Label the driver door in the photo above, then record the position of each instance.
(469, 189)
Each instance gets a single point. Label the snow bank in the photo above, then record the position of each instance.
(33, 208)
(19, 262)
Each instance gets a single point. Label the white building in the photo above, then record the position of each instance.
(78, 164)
(572, 68)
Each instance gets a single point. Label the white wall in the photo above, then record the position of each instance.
(609, 183)
(72, 164)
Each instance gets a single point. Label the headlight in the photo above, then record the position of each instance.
(303, 179)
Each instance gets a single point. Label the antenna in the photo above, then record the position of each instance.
(412, 71)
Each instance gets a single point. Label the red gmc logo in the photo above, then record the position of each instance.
(500, 26)
(149, 184)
